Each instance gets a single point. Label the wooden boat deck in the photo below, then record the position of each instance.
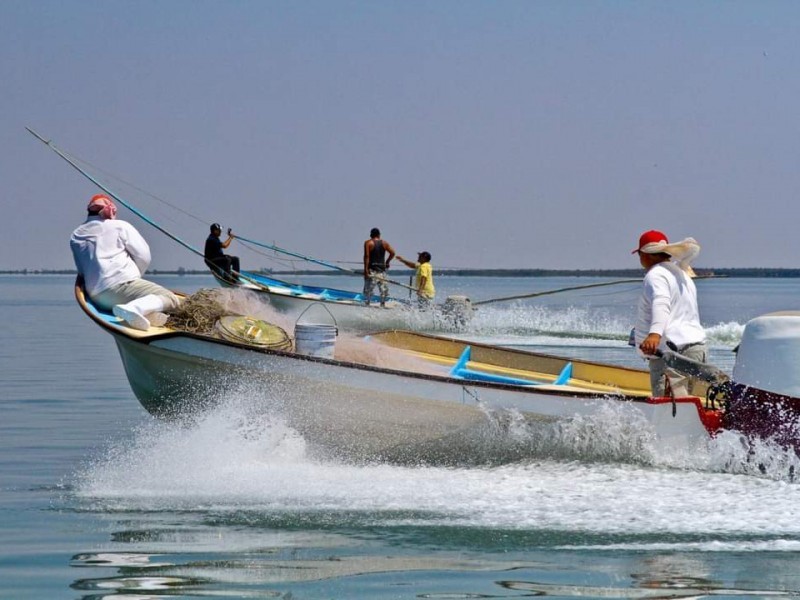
(540, 369)
(545, 380)
(587, 377)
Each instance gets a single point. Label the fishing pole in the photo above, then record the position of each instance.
(575, 287)
(72, 162)
(129, 206)
(565, 289)
(106, 189)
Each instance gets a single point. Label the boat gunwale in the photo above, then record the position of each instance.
(514, 351)
(264, 288)
(147, 338)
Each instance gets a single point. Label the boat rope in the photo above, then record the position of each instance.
(111, 193)
(286, 263)
(473, 395)
(296, 255)
(199, 312)
(74, 163)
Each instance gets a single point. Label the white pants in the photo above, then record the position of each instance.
(131, 290)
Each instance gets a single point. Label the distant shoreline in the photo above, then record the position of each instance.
(633, 273)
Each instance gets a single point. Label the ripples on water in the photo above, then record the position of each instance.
(255, 510)
(235, 506)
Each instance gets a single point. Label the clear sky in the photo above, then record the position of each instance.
(495, 134)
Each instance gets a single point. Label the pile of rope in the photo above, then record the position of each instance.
(198, 313)
(206, 312)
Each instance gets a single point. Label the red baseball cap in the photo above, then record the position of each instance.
(102, 205)
(650, 237)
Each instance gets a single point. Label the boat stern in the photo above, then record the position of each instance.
(764, 398)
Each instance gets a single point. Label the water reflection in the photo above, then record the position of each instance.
(291, 571)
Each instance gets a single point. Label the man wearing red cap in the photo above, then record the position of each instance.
(112, 256)
(668, 310)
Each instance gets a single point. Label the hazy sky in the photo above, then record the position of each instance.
(495, 134)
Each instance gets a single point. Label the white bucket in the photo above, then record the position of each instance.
(314, 339)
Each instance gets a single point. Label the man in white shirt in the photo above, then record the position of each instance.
(112, 256)
(668, 310)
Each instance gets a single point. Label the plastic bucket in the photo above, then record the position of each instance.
(315, 339)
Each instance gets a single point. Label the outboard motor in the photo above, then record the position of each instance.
(769, 354)
(764, 398)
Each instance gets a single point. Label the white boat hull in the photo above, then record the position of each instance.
(349, 315)
(418, 410)
(368, 413)
(347, 308)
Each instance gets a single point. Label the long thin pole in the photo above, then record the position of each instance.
(103, 187)
(189, 247)
(575, 287)
(127, 205)
(548, 292)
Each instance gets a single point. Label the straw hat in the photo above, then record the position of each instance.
(683, 252)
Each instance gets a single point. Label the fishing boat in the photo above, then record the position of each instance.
(349, 309)
(393, 395)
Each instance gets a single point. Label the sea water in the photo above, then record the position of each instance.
(98, 499)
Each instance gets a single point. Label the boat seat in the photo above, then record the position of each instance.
(108, 317)
(461, 371)
(111, 319)
(565, 375)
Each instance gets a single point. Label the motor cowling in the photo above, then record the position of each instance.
(768, 356)
(764, 397)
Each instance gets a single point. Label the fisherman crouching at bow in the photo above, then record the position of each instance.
(111, 256)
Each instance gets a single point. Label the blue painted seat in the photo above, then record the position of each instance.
(460, 371)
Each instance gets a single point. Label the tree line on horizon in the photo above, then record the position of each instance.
(725, 272)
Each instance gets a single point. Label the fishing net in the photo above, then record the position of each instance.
(198, 313)
(211, 312)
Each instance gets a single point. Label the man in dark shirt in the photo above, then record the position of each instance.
(216, 260)
(375, 265)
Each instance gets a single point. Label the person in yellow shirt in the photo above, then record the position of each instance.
(424, 278)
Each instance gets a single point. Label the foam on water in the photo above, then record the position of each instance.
(724, 334)
(531, 325)
(227, 461)
(604, 475)
(524, 321)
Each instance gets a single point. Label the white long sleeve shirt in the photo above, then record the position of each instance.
(108, 252)
(668, 307)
